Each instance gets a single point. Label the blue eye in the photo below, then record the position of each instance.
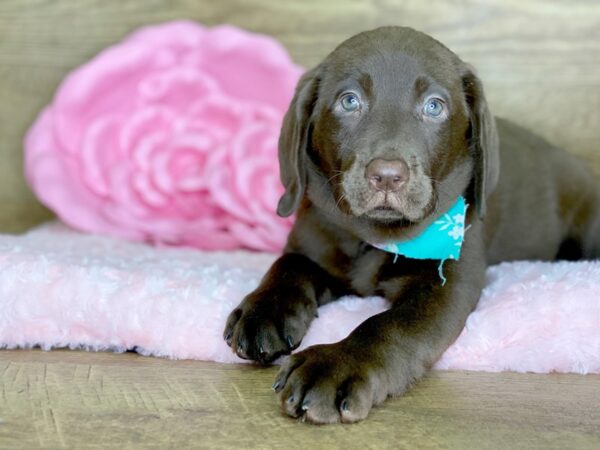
(433, 107)
(350, 103)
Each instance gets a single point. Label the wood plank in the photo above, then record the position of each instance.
(73, 399)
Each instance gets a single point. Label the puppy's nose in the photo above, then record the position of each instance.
(384, 175)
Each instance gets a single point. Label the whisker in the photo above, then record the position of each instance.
(439, 186)
(337, 174)
(342, 197)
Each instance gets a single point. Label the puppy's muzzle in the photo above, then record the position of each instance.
(388, 176)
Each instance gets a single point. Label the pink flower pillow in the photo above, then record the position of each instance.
(169, 137)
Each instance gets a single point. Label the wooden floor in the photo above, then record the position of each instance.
(69, 399)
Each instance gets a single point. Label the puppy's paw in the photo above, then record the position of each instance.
(268, 324)
(329, 384)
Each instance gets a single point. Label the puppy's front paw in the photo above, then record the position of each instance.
(329, 384)
(268, 324)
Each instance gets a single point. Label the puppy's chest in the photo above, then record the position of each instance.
(374, 272)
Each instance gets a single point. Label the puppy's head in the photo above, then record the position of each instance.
(387, 132)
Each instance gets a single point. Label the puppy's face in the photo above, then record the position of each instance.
(388, 128)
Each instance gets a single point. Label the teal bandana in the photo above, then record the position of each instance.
(441, 240)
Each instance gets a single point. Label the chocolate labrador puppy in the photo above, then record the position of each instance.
(379, 142)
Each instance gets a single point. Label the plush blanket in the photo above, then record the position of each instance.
(59, 288)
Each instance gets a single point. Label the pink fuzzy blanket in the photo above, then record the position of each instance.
(60, 288)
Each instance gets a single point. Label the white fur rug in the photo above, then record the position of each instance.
(59, 288)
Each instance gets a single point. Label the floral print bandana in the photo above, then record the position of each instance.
(441, 240)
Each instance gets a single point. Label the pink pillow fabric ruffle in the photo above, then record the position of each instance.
(169, 137)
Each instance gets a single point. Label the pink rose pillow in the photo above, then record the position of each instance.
(169, 137)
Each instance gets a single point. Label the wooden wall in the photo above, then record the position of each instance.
(539, 59)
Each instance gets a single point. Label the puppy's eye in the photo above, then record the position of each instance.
(434, 107)
(350, 102)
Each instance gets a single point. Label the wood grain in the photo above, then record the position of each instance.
(65, 399)
(540, 60)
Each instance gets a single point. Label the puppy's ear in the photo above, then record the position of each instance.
(483, 139)
(293, 141)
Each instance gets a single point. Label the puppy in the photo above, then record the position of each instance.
(381, 142)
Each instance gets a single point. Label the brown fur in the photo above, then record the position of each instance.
(543, 204)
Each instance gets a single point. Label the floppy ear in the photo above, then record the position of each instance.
(293, 141)
(483, 139)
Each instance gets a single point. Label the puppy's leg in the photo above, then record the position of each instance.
(591, 239)
(273, 319)
(584, 219)
(387, 352)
